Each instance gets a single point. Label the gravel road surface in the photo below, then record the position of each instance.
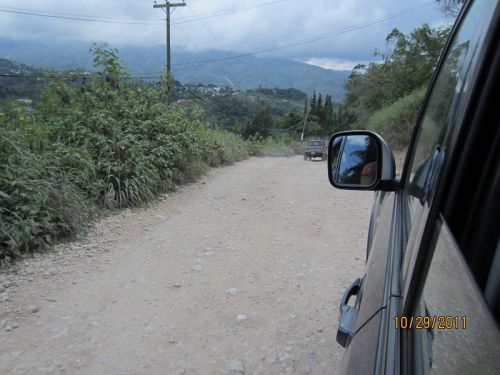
(239, 273)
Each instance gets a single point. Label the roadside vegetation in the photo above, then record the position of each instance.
(386, 96)
(101, 141)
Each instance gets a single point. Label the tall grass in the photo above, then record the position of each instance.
(105, 142)
(281, 145)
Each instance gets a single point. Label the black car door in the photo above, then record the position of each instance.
(451, 278)
(405, 216)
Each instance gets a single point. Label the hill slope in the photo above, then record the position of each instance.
(11, 88)
(240, 73)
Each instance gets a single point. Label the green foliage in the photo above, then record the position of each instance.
(220, 148)
(279, 145)
(104, 141)
(40, 200)
(236, 111)
(451, 8)
(396, 121)
(323, 118)
(262, 124)
(277, 93)
(406, 66)
(18, 88)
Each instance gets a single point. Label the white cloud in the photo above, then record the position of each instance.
(256, 29)
(332, 63)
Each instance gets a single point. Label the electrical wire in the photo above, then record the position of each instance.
(300, 42)
(226, 73)
(313, 39)
(217, 41)
(74, 18)
(78, 15)
(227, 12)
(204, 100)
(196, 96)
(125, 21)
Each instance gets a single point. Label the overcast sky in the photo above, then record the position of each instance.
(237, 26)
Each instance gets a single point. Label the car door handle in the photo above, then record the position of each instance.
(348, 315)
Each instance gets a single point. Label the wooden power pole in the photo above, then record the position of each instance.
(166, 7)
(305, 119)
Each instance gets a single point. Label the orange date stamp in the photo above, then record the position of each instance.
(430, 322)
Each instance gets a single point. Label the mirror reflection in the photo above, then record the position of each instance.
(358, 163)
(334, 152)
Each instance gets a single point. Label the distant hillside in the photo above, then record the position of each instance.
(240, 73)
(233, 109)
(223, 107)
(16, 88)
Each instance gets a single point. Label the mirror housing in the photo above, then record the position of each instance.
(361, 160)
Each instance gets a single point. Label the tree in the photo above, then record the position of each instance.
(407, 65)
(329, 115)
(313, 103)
(319, 109)
(262, 124)
(451, 7)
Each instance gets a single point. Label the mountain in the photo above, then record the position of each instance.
(20, 87)
(240, 73)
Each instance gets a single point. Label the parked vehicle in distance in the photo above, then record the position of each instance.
(429, 301)
(315, 148)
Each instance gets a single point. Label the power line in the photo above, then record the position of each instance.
(194, 31)
(18, 76)
(65, 77)
(286, 46)
(78, 15)
(69, 76)
(227, 12)
(206, 28)
(228, 115)
(192, 93)
(189, 39)
(74, 18)
(124, 21)
(204, 101)
(305, 41)
(314, 39)
(227, 75)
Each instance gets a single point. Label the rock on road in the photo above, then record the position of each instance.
(241, 272)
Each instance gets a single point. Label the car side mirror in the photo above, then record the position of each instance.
(361, 160)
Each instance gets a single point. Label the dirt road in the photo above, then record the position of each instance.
(239, 273)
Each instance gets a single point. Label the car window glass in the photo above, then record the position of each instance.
(452, 330)
(441, 115)
(316, 143)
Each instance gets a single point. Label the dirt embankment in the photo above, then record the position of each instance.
(239, 273)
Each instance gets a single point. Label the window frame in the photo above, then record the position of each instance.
(477, 77)
(479, 74)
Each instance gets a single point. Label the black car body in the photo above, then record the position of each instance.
(429, 301)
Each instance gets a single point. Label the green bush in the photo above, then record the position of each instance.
(39, 200)
(396, 121)
(280, 145)
(105, 141)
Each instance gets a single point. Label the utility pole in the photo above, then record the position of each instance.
(166, 8)
(305, 119)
